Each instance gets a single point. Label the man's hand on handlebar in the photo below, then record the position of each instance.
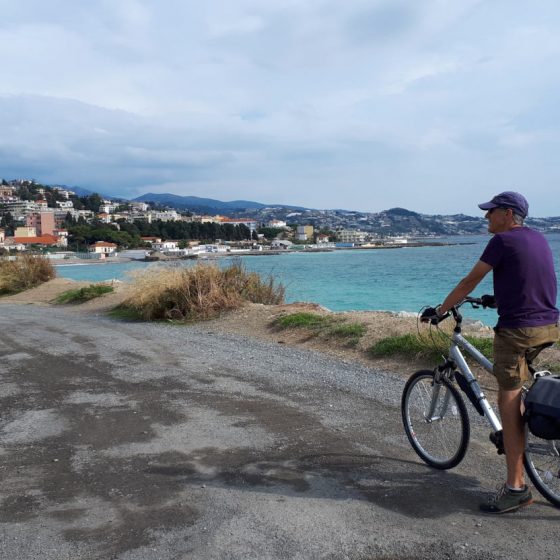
(432, 315)
(488, 300)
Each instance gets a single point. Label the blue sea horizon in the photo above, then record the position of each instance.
(397, 280)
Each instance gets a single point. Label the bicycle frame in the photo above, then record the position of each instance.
(457, 359)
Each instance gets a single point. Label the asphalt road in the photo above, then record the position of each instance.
(153, 441)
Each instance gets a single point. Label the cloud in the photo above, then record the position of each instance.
(365, 103)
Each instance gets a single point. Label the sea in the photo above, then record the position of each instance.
(398, 279)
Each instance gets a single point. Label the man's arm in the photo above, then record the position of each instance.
(465, 286)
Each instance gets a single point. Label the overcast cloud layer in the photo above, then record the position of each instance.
(431, 105)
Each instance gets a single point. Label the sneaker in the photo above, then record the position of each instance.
(507, 500)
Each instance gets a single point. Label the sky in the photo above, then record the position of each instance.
(429, 105)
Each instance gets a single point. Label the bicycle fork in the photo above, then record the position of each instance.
(436, 389)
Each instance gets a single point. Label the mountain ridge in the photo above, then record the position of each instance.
(195, 202)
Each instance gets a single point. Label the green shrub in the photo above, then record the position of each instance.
(414, 346)
(321, 326)
(84, 294)
(349, 332)
(301, 320)
(200, 292)
(24, 273)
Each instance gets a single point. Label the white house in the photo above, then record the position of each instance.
(64, 192)
(281, 244)
(166, 246)
(108, 207)
(276, 224)
(103, 247)
(139, 206)
(65, 204)
(166, 216)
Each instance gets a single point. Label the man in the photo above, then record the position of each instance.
(525, 289)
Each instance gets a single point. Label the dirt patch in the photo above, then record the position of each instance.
(45, 295)
(256, 320)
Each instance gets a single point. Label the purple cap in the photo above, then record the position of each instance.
(508, 199)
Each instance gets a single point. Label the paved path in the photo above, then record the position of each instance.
(153, 441)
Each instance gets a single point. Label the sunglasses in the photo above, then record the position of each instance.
(498, 208)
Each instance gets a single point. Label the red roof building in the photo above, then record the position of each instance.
(47, 240)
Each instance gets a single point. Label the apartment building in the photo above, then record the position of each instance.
(351, 236)
(20, 208)
(304, 233)
(108, 207)
(251, 224)
(43, 222)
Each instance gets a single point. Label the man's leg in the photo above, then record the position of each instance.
(509, 403)
(510, 368)
(514, 494)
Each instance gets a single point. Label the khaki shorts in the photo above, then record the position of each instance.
(512, 349)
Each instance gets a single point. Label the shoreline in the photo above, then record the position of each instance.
(211, 255)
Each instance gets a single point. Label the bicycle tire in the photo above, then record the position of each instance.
(542, 464)
(441, 442)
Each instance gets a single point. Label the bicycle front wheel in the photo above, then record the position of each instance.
(542, 464)
(435, 420)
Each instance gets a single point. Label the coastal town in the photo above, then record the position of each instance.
(52, 220)
(62, 223)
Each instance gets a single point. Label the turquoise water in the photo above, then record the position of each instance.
(379, 279)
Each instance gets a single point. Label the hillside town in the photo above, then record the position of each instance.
(62, 223)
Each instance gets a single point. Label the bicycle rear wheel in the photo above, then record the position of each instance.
(435, 420)
(542, 464)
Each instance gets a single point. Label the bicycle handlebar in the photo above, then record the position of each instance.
(487, 300)
(430, 314)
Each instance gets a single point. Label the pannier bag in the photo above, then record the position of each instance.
(542, 407)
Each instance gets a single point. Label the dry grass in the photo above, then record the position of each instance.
(26, 272)
(200, 292)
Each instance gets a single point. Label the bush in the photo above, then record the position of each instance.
(84, 294)
(200, 292)
(321, 326)
(350, 333)
(25, 272)
(414, 346)
(300, 320)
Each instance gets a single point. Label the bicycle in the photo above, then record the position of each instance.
(437, 423)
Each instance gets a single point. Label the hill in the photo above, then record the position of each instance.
(206, 205)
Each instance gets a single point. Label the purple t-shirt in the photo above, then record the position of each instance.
(525, 283)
